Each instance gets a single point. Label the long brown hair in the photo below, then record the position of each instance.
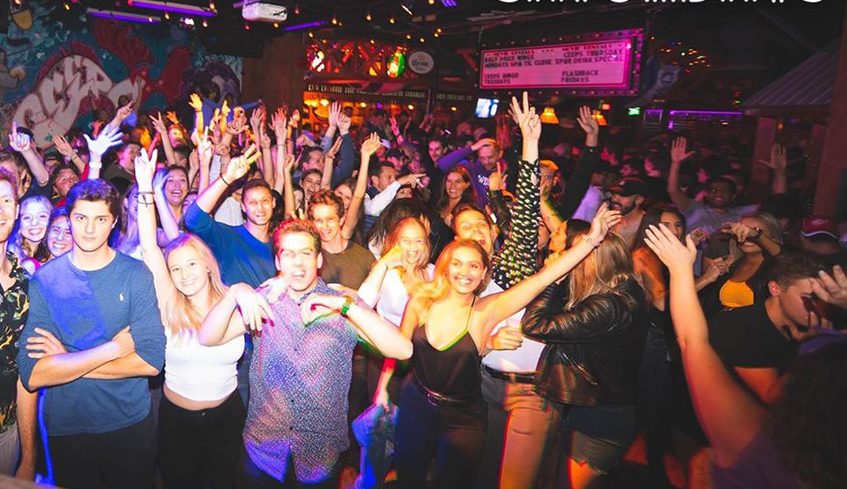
(608, 266)
(180, 315)
(440, 284)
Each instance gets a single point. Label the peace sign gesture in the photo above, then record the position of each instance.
(239, 166)
(145, 168)
(526, 118)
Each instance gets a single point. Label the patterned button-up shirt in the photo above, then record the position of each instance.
(299, 378)
(13, 311)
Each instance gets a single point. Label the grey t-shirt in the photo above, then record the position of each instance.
(699, 215)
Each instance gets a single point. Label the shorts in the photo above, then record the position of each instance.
(599, 435)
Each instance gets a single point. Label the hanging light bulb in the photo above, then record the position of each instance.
(205, 23)
(167, 16)
(212, 6)
(334, 20)
(311, 34)
(368, 17)
(297, 9)
(391, 20)
(276, 25)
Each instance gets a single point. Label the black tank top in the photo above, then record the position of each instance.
(452, 372)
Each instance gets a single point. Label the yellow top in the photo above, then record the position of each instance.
(736, 294)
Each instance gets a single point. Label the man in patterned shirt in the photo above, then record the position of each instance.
(297, 415)
(17, 406)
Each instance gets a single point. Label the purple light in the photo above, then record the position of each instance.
(704, 112)
(106, 14)
(449, 3)
(187, 10)
(299, 27)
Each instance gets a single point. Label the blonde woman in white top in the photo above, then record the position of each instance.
(387, 288)
(201, 415)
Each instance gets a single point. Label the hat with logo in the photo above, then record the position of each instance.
(817, 224)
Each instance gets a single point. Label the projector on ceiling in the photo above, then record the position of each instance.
(264, 12)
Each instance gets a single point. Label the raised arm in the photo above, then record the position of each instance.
(346, 152)
(196, 103)
(516, 259)
(162, 130)
(577, 185)
(369, 147)
(240, 310)
(71, 156)
(22, 143)
(332, 126)
(370, 289)
(778, 163)
(97, 147)
(329, 160)
(120, 116)
(498, 307)
(729, 416)
(370, 326)
(237, 168)
(678, 155)
(145, 168)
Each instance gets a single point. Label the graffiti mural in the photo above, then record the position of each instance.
(57, 67)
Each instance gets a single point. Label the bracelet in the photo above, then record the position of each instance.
(141, 200)
(224, 180)
(348, 301)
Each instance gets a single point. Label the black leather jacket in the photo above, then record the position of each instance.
(594, 350)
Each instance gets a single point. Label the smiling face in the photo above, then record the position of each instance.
(258, 205)
(59, 240)
(176, 187)
(749, 246)
(466, 270)
(34, 218)
(436, 150)
(189, 272)
(719, 194)
(314, 161)
(455, 185)
(91, 223)
(298, 261)
(65, 179)
(346, 195)
(412, 241)
(326, 220)
(471, 224)
(8, 210)
(311, 183)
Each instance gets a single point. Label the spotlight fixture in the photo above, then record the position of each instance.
(408, 6)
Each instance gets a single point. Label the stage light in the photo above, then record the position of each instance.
(549, 116)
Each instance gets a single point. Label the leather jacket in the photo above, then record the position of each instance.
(593, 350)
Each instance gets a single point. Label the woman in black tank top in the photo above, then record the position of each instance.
(442, 414)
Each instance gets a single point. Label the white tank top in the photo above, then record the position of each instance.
(201, 373)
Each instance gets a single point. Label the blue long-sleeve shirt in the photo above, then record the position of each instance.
(479, 175)
(84, 309)
(241, 257)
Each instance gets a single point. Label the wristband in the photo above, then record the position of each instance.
(348, 301)
(224, 180)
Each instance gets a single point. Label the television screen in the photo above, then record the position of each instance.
(486, 107)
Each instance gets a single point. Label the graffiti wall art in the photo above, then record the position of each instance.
(57, 67)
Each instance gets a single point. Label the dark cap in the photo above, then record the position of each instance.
(628, 186)
(395, 153)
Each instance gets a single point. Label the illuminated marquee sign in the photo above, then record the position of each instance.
(605, 62)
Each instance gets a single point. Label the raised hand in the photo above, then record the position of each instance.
(715, 268)
(195, 102)
(393, 258)
(778, 160)
(236, 127)
(526, 118)
(159, 124)
(253, 308)
(334, 149)
(225, 110)
(279, 125)
(19, 141)
(257, 117)
(63, 146)
(495, 180)
(588, 123)
(145, 168)
(44, 345)
(603, 221)
(678, 150)
(112, 136)
(394, 128)
(124, 112)
(294, 120)
(832, 288)
(483, 142)
(239, 166)
(171, 115)
(370, 145)
(288, 163)
(741, 231)
(678, 257)
(334, 112)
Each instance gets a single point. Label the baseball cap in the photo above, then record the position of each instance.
(628, 186)
(817, 224)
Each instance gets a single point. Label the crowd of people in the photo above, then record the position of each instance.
(231, 299)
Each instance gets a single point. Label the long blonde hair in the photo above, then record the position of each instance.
(600, 272)
(180, 315)
(394, 238)
(435, 290)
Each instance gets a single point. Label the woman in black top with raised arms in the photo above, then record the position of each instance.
(442, 414)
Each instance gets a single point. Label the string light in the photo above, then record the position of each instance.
(297, 9)
(334, 20)
(276, 25)
(205, 23)
(391, 20)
